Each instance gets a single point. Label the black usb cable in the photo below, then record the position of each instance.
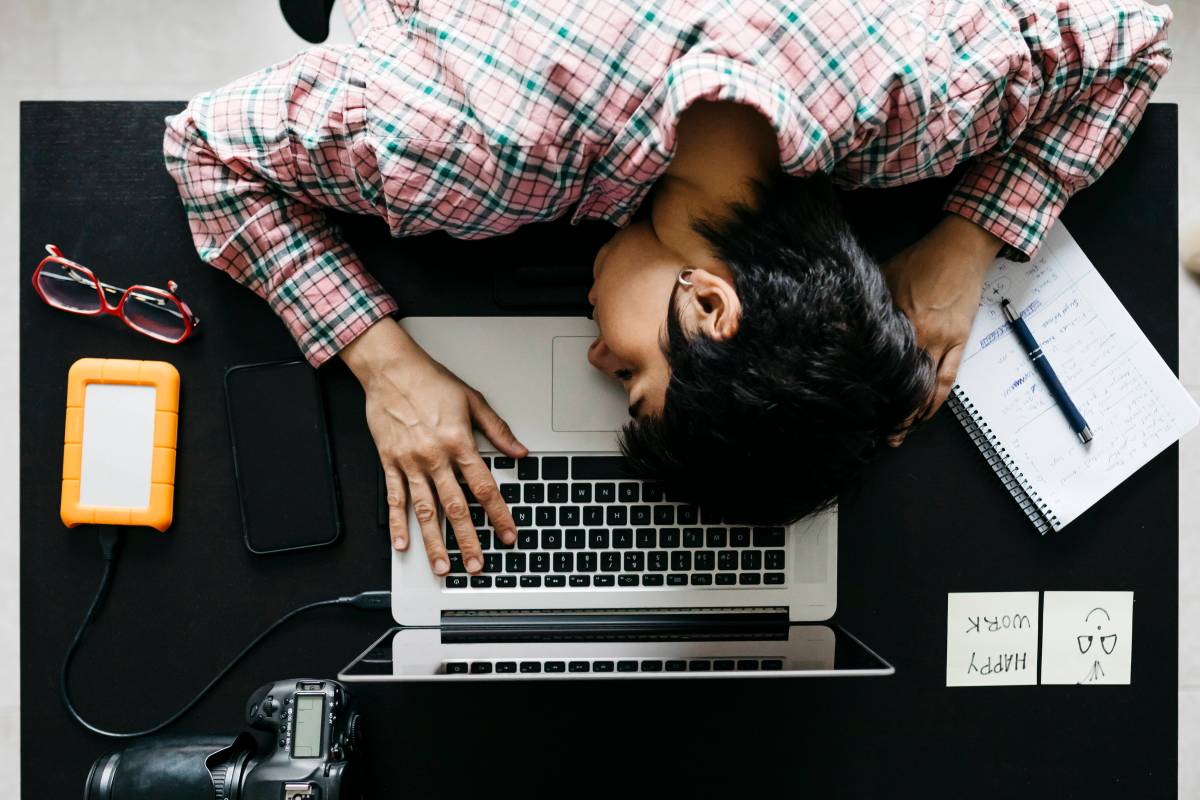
(110, 548)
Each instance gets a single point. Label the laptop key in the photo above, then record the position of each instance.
(576, 539)
(606, 492)
(627, 492)
(554, 468)
(586, 562)
(652, 493)
(480, 667)
(558, 493)
(481, 581)
(772, 663)
(699, 665)
(580, 580)
(750, 579)
(564, 562)
(527, 468)
(701, 579)
(716, 537)
(627, 666)
(604, 580)
(531, 666)
(747, 664)
(579, 666)
(581, 493)
(602, 666)
(556, 581)
(456, 581)
(668, 537)
(774, 578)
(477, 516)
(593, 516)
(693, 537)
(752, 559)
(657, 561)
(554, 666)
(652, 579)
(531, 581)
(639, 515)
(493, 563)
(723, 664)
(552, 539)
(503, 462)
(727, 560)
(568, 515)
(500, 545)
(539, 562)
(451, 539)
(623, 538)
(527, 539)
(598, 539)
(511, 492)
(664, 515)
(677, 579)
(705, 560)
(774, 559)
(627, 580)
(534, 493)
(485, 538)
(506, 581)
(456, 667)
(506, 666)
(647, 538)
(676, 665)
(726, 579)
(456, 563)
(514, 562)
(634, 561)
(768, 537)
(610, 561)
(546, 516)
(739, 537)
(681, 560)
(522, 516)
(616, 515)
(687, 515)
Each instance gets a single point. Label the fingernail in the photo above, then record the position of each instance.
(473, 565)
(510, 537)
(440, 566)
(398, 544)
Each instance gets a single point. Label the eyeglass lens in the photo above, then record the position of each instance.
(155, 314)
(69, 287)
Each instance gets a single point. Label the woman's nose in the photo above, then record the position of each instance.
(597, 354)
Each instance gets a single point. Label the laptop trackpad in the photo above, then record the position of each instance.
(584, 400)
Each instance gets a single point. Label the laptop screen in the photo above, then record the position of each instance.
(794, 650)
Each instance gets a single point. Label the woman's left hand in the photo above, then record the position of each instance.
(937, 282)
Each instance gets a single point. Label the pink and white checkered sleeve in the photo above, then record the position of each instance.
(256, 163)
(1094, 66)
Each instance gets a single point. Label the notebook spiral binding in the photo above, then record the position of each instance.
(998, 459)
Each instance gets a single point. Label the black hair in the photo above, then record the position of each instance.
(775, 421)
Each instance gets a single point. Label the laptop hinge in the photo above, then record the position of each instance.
(658, 623)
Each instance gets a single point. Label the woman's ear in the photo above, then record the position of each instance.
(709, 306)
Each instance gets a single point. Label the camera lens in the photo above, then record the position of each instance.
(100, 779)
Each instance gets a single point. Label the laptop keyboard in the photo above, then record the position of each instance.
(583, 524)
(603, 665)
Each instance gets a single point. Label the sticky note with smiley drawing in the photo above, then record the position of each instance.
(1087, 637)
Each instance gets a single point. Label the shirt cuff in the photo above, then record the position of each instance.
(1012, 198)
(330, 302)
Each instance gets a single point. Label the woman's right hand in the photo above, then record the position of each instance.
(421, 417)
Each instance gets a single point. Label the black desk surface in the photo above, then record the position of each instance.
(930, 519)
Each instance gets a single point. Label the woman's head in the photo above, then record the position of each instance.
(765, 386)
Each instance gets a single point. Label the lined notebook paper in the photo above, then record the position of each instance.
(1129, 396)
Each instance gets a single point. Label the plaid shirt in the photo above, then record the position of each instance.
(475, 117)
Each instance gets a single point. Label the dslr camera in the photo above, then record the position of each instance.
(298, 744)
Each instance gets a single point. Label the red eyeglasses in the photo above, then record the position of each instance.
(68, 286)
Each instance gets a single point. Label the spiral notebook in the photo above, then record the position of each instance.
(1132, 400)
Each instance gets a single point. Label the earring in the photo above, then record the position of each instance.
(683, 276)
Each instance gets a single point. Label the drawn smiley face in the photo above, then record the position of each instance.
(1100, 620)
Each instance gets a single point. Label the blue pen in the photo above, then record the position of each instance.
(1078, 423)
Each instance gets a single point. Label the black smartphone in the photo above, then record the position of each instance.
(282, 457)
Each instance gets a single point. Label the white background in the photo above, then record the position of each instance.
(151, 50)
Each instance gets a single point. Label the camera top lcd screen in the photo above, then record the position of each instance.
(310, 711)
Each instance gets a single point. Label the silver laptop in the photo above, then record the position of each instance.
(608, 577)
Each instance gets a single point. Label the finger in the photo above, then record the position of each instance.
(459, 517)
(946, 375)
(482, 485)
(494, 428)
(420, 494)
(393, 478)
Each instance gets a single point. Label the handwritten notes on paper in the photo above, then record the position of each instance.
(1087, 637)
(991, 639)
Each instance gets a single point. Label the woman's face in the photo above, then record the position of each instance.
(632, 279)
